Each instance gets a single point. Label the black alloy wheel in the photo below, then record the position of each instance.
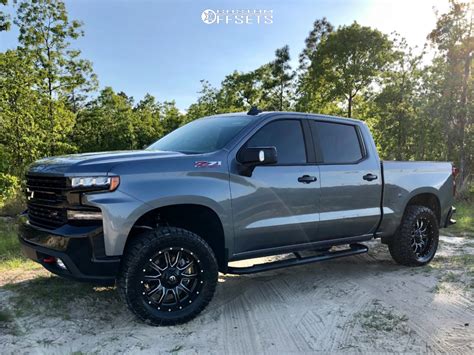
(171, 279)
(168, 275)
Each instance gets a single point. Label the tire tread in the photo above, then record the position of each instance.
(400, 245)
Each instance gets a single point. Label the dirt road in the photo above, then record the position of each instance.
(359, 304)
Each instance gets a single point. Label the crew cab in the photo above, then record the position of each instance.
(162, 222)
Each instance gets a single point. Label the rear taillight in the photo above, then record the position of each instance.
(455, 172)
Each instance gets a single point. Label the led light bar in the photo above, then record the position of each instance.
(84, 215)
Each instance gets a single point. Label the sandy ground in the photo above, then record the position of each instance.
(358, 304)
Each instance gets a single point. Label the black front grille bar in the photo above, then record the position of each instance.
(47, 200)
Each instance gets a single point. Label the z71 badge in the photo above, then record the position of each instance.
(207, 164)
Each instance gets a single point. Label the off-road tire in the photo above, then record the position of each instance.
(401, 244)
(139, 254)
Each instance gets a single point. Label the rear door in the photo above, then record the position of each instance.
(276, 206)
(351, 181)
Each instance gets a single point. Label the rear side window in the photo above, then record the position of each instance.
(286, 136)
(339, 143)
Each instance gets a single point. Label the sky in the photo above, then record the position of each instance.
(164, 48)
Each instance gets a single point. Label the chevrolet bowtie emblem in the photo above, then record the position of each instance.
(30, 194)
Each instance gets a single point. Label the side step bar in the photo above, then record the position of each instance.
(298, 260)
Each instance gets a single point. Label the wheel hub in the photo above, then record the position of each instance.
(172, 279)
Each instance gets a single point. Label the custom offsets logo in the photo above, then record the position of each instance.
(237, 17)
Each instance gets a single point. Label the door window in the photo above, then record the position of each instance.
(339, 143)
(286, 136)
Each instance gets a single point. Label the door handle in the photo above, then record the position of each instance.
(307, 179)
(369, 177)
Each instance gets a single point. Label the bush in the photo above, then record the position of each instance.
(9, 187)
(11, 200)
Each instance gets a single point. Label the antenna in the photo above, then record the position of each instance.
(254, 111)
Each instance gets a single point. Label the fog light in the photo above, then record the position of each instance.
(61, 264)
(84, 215)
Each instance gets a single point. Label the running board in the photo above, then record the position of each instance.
(298, 260)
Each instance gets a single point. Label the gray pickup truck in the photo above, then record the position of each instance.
(162, 222)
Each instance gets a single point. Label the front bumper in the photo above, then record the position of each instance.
(69, 251)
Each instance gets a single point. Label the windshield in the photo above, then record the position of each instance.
(202, 136)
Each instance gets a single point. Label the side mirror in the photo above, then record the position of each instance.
(249, 158)
(258, 156)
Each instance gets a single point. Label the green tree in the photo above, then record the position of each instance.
(395, 113)
(4, 18)
(147, 126)
(206, 104)
(311, 93)
(454, 39)
(23, 112)
(106, 123)
(240, 91)
(348, 61)
(280, 81)
(430, 117)
(171, 117)
(45, 33)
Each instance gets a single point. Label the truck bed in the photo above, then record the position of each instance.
(405, 179)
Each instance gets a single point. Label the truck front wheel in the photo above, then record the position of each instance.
(168, 275)
(416, 240)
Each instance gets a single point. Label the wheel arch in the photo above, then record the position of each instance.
(426, 199)
(197, 218)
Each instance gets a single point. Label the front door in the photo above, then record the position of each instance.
(278, 204)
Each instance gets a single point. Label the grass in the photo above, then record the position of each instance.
(464, 261)
(7, 323)
(446, 281)
(464, 213)
(440, 287)
(380, 318)
(50, 297)
(5, 317)
(464, 217)
(451, 277)
(461, 272)
(10, 251)
(12, 207)
(43, 294)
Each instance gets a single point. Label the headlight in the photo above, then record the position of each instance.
(96, 182)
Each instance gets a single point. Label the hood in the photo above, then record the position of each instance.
(94, 163)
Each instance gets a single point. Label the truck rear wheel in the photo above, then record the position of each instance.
(168, 276)
(416, 240)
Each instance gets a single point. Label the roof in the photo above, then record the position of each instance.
(265, 114)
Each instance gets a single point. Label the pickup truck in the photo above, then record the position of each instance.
(161, 223)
